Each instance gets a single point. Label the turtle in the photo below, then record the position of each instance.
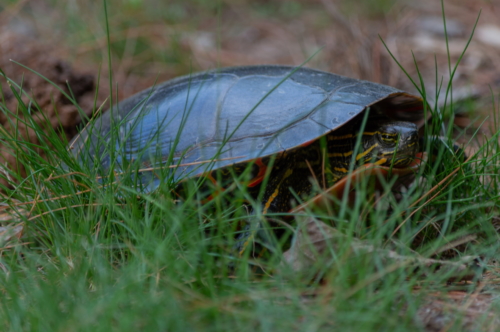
(292, 126)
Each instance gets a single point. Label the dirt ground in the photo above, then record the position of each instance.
(348, 42)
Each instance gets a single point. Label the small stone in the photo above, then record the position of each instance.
(434, 26)
(489, 34)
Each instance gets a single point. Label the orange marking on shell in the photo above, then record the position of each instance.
(260, 175)
(208, 199)
(308, 143)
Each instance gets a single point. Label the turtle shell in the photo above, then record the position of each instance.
(218, 118)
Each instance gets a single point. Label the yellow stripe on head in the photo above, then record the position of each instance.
(367, 151)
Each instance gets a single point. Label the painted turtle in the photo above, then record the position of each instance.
(228, 118)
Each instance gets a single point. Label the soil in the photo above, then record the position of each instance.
(52, 105)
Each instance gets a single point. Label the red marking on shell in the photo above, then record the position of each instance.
(260, 175)
(308, 143)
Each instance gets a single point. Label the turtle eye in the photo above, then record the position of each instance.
(388, 138)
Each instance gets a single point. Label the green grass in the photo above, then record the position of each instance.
(99, 255)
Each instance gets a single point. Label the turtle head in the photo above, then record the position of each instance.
(389, 142)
